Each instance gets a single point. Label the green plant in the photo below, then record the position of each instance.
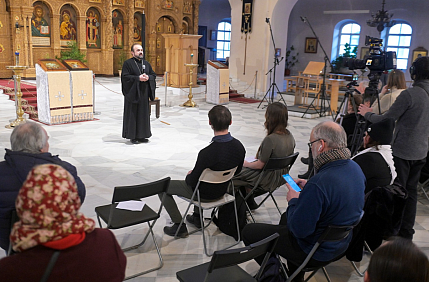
(290, 59)
(122, 58)
(337, 64)
(72, 52)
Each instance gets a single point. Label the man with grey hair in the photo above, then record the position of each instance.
(333, 196)
(30, 146)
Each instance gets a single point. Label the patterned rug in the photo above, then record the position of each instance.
(244, 100)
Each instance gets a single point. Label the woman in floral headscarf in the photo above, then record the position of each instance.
(48, 208)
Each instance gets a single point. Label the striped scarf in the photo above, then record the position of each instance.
(331, 156)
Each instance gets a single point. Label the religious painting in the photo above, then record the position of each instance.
(185, 29)
(419, 52)
(137, 27)
(118, 2)
(246, 17)
(74, 65)
(364, 51)
(93, 39)
(40, 25)
(139, 3)
(187, 8)
(310, 45)
(168, 4)
(68, 27)
(118, 29)
(51, 65)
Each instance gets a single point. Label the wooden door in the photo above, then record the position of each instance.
(164, 25)
(6, 52)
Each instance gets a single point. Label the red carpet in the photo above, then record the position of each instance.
(244, 100)
(29, 95)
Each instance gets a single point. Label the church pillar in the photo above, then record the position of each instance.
(107, 43)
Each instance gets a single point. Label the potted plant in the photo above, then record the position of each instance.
(72, 52)
(290, 60)
(337, 64)
(121, 59)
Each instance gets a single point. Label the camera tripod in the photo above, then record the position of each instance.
(269, 97)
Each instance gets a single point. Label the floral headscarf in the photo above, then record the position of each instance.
(48, 207)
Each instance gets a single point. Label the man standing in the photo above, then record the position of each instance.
(138, 86)
(410, 139)
(29, 142)
(333, 196)
(224, 152)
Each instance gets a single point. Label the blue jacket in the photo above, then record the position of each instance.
(13, 172)
(334, 196)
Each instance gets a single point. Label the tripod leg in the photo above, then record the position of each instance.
(311, 106)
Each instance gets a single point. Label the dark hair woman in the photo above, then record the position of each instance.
(395, 85)
(279, 142)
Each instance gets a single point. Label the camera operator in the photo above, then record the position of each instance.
(410, 141)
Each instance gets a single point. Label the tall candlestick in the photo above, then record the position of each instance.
(16, 58)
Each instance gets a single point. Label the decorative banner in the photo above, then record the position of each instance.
(246, 18)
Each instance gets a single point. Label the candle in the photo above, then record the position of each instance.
(16, 58)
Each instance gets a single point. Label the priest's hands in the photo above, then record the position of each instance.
(144, 77)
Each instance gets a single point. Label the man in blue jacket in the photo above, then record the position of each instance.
(29, 142)
(333, 196)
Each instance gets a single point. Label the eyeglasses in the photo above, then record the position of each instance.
(311, 143)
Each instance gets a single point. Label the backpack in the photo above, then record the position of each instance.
(272, 271)
(225, 219)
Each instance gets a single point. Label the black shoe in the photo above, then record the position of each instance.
(251, 203)
(305, 175)
(171, 230)
(143, 140)
(304, 160)
(134, 141)
(194, 219)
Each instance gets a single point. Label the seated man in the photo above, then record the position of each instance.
(30, 147)
(224, 152)
(333, 196)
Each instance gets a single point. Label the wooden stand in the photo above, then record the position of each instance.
(217, 83)
(179, 48)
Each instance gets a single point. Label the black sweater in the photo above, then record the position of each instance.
(219, 155)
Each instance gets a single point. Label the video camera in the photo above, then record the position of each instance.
(376, 61)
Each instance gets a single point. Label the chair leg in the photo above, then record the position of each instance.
(144, 239)
(311, 275)
(361, 274)
(247, 206)
(326, 274)
(275, 202)
(183, 220)
(161, 262)
(422, 186)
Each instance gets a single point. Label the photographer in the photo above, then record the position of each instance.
(410, 140)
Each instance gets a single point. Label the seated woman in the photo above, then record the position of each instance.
(279, 142)
(397, 261)
(395, 85)
(48, 207)
(376, 161)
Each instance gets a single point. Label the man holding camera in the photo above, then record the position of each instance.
(410, 140)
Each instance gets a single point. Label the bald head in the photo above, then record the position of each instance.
(29, 137)
(331, 133)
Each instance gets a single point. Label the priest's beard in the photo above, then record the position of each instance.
(139, 57)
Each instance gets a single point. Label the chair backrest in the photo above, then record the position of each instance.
(227, 258)
(134, 192)
(13, 218)
(216, 177)
(337, 233)
(281, 163)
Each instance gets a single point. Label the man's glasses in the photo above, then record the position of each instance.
(311, 143)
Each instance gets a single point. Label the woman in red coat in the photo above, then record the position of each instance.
(48, 208)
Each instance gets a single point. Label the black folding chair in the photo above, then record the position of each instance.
(119, 218)
(224, 264)
(271, 165)
(331, 234)
(214, 177)
(14, 218)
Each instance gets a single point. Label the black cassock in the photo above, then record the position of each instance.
(137, 93)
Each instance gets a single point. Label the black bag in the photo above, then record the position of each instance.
(272, 271)
(226, 217)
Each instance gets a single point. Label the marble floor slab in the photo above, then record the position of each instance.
(105, 160)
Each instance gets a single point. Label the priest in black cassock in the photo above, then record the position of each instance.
(138, 86)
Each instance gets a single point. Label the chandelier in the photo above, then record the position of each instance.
(381, 19)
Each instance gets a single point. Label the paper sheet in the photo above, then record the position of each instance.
(250, 159)
(131, 205)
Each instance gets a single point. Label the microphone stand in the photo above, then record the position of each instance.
(272, 71)
(322, 92)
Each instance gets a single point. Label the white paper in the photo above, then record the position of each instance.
(131, 205)
(250, 159)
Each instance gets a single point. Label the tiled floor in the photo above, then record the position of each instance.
(105, 160)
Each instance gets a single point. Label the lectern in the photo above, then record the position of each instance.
(217, 83)
(179, 48)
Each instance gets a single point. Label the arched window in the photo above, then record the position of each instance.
(223, 40)
(349, 33)
(399, 40)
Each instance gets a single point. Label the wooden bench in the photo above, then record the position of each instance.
(157, 103)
